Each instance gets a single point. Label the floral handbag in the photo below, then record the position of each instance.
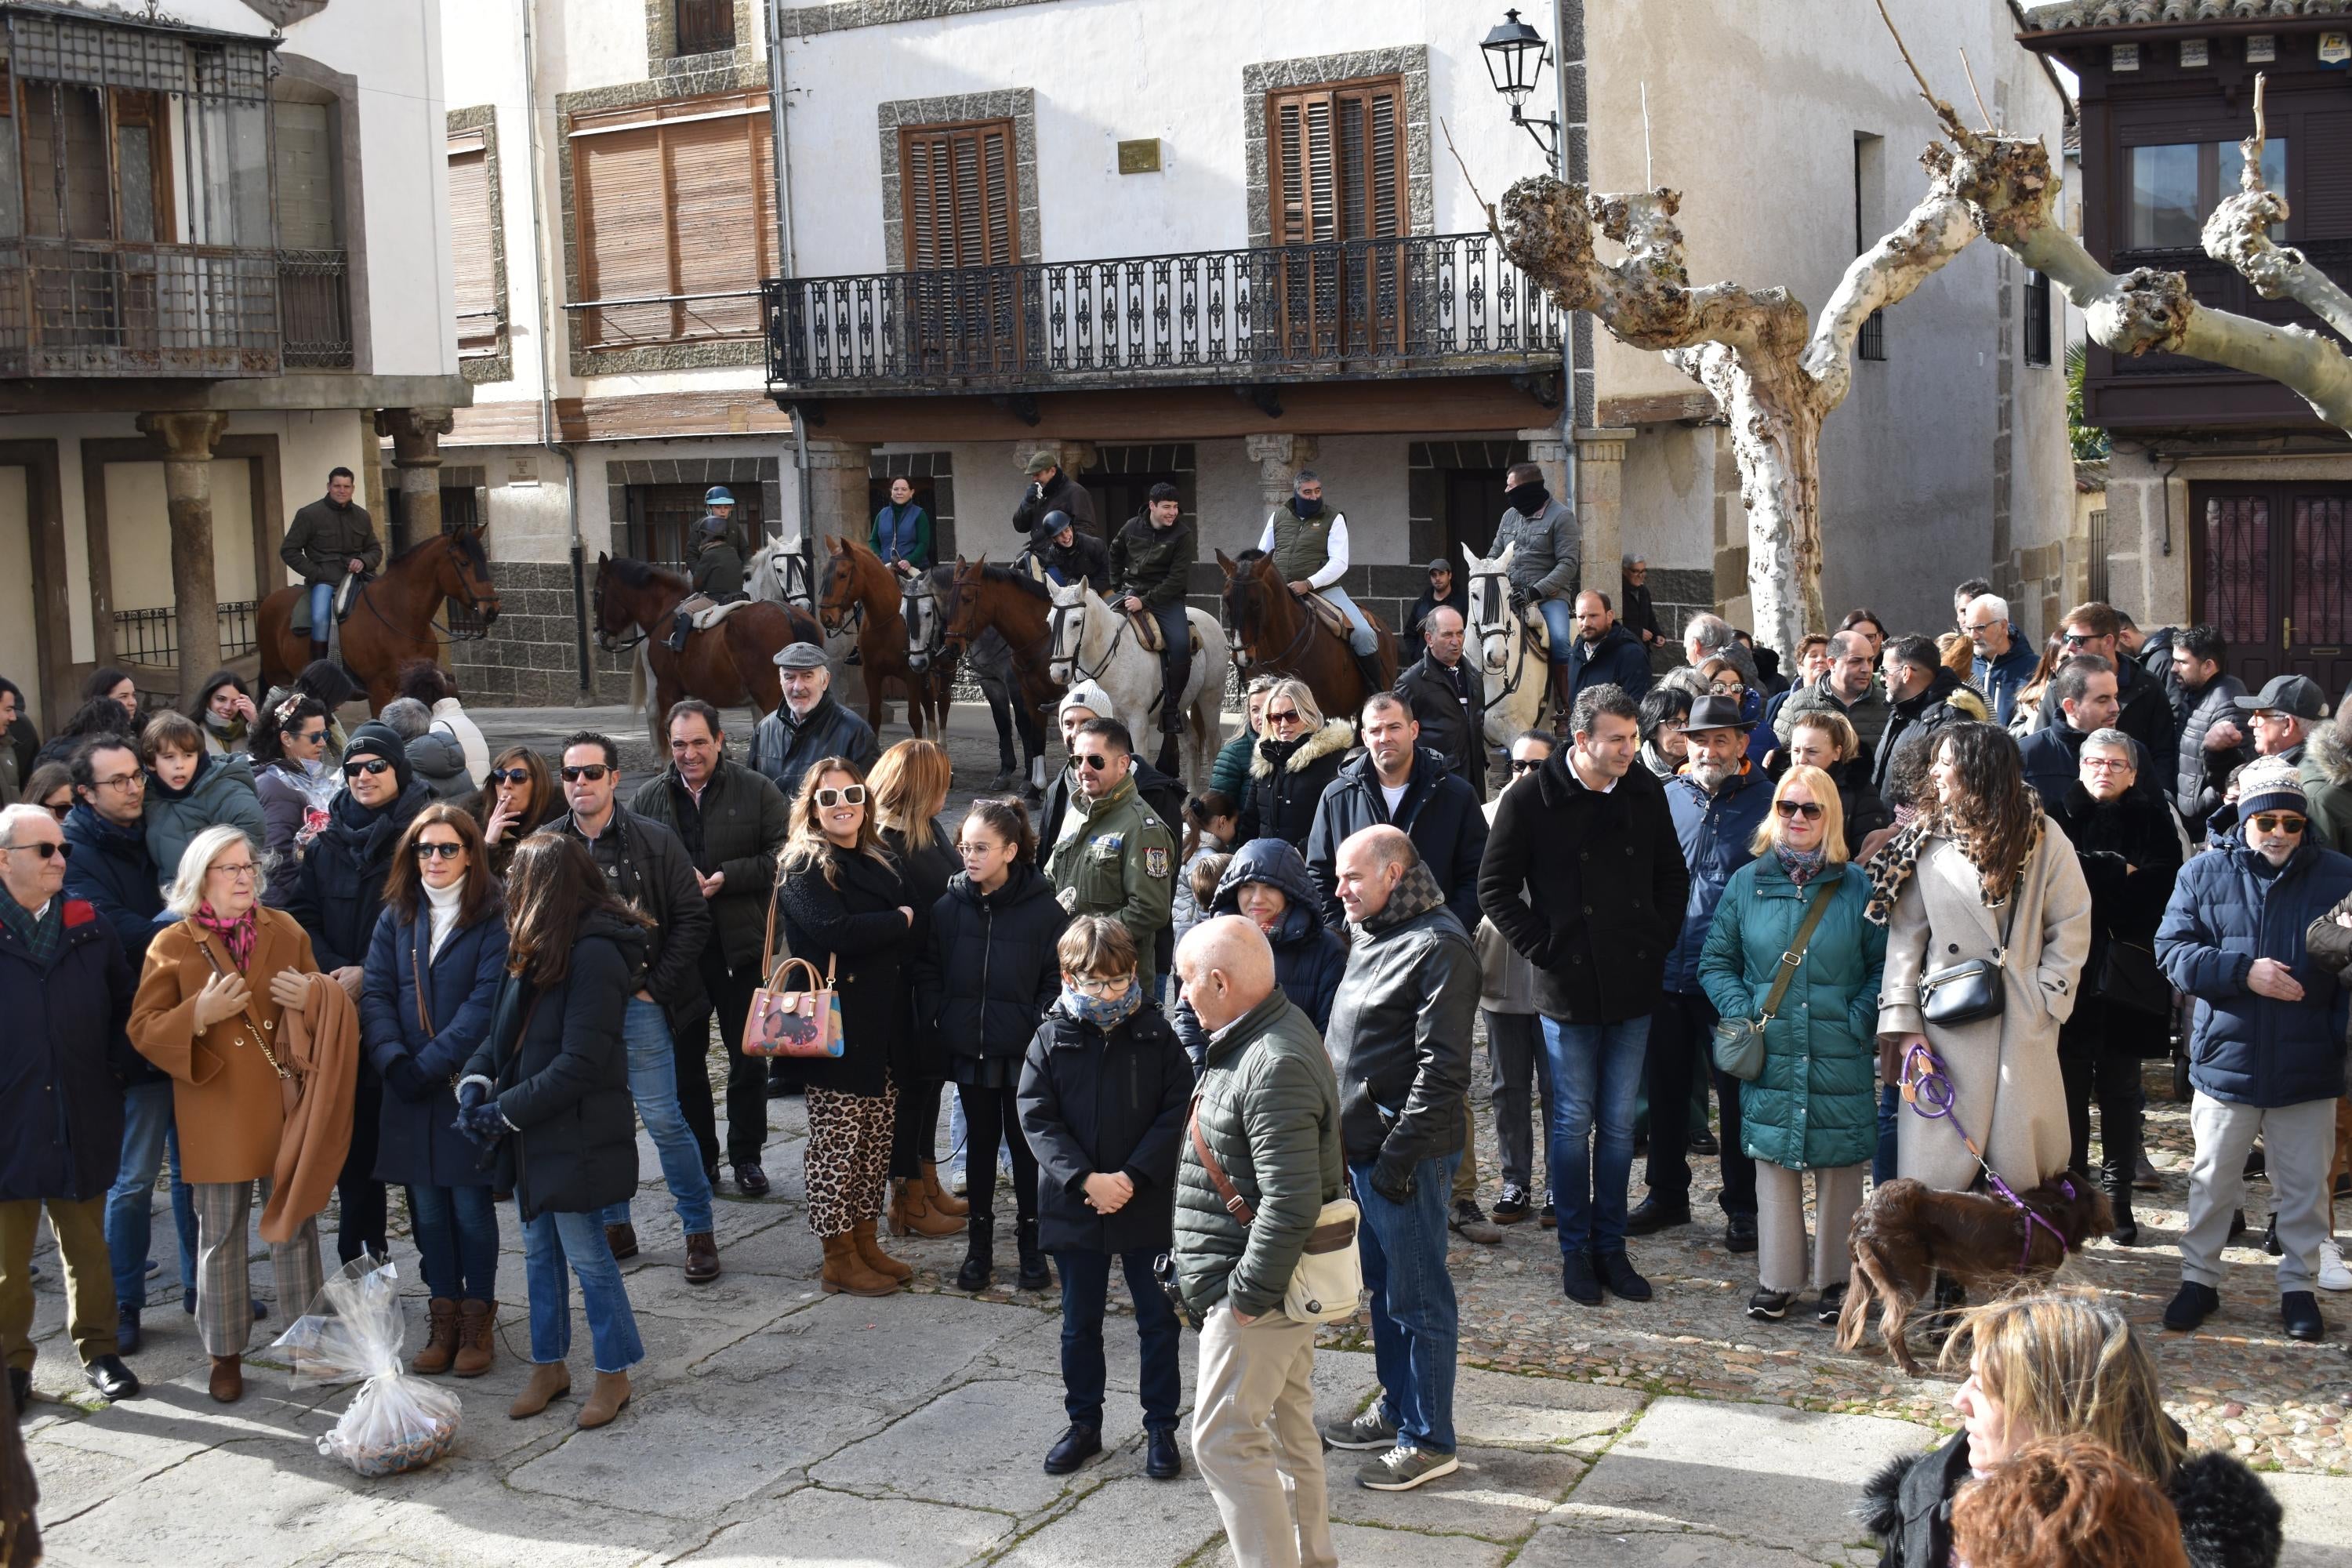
(788, 1022)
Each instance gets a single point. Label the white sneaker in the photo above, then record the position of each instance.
(2333, 1273)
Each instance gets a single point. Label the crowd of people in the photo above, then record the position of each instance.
(1217, 1038)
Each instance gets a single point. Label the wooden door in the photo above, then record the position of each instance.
(2273, 569)
(1474, 508)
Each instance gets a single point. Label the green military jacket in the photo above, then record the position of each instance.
(1152, 563)
(1117, 860)
(324, 537)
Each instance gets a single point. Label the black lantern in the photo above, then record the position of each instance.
(1516, 56)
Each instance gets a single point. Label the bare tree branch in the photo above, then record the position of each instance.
(2238, 234)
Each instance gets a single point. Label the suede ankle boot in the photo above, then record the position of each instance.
(550, 1380)
(227, 1383)
(870, 1253)
(938, 1196)
(911, 1211)
(476, 1338)
(846, 1273)
(440, 1339)
(606, 1400)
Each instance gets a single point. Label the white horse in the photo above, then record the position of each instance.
(1513, 649)
(1091, 641)
(779, 576)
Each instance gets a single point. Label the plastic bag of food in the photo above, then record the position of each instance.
(352, 1334)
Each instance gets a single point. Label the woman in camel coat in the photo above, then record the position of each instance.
(213, 1023)
(1984, 858)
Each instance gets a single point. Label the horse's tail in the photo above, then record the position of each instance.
(641, 675)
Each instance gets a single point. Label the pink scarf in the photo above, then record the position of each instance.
(237, 935)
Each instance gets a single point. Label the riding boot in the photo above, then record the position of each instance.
(1563, 682)
(317, 649)
(681, 626)
(1368, 665)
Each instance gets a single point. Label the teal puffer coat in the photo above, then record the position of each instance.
(1816, 1105)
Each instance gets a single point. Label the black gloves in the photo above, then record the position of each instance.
(1393, 1178)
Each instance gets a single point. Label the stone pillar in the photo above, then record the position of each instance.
(836, 479)
(1601, 505)
(416, 452)
(1074, 458)
(188, 440)
(1279, 460)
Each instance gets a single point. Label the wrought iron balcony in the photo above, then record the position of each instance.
(75, 307)
(314, 293)
(1445, 304)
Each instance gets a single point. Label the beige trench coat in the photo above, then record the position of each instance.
(2004, 1070)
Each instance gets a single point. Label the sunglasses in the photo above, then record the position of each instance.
(1527, 766)
(509, 775)
(2277, 821)
(370, 765)
(439, 851)
(2076, 639)
(60, 811)
(592, 772)
(310, 737)
(1095, 760)
(1811, 810)
(46, 851)
(849, 794)
(1288, 716)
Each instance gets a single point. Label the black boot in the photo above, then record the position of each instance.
(979, 1253)
(681, 626)
(1034, 1275)
(2115, 1174)
(1368, 665)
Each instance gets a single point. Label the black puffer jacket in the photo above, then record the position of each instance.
(1948, 701)
(856, 929)
(2228, 1518)
(560, 1075)
(1287, 779)
(2130, 853)
(339, 894)
(1094, 1101)
(927, 871)
(988, 972)
(2200, 775)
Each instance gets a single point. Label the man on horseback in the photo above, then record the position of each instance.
(718, 565)
(1309, 548)
(329, 540)
(1547, 551)
(1152, 558)
(1052, 490)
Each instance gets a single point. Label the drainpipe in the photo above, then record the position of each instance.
(780, 139)
(1568, 416)
(541, 315)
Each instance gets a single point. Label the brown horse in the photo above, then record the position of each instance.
(855, 588)
(730, 665)
(1273, 633)
(391, 618)
(1015, 607)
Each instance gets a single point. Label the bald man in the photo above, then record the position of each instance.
(1267, 1112)
(1399, 1040)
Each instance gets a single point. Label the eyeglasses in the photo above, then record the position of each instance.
(369, 765)
(849, 794)
(1811, 810)
(509, 775)
(1095, 760)
(45, 850)
(1102, 985)
(2277, 821)
(241, 872)
(968, 850)
(129, 784)
(439, 851)
(1526, 764)
(2109, 764)
(592, 772)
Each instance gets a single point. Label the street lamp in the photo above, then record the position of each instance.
(1516, 56)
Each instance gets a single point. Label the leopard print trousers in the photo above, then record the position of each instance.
(848, 1159)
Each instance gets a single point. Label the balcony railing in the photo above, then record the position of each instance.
(1426, 304)
(72, 307)
(152, 636)
(314, 289)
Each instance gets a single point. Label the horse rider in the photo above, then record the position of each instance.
(718, 565)
(1052, 490)
(1070, 552)
(1547, 553)
(902, 531)
(1152, 560)
(329, 539)
(1308, 543)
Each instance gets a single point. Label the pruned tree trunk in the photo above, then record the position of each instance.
(1776, 373)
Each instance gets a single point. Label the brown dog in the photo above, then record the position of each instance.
(1907, 1233)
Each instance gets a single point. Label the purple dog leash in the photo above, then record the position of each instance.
(1929, 1093)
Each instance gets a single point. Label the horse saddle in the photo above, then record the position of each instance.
(347, 594)
(1328, 616)
(706, 614)
(1145, 625)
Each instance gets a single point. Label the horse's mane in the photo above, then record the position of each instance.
(467, 542)
(1021, 580)
(642, 574)
(1247, 556)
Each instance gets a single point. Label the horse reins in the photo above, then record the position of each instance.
(1518, 665)
(1288, 657)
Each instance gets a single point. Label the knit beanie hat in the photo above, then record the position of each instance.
(376, 739)
(1090, 696)
(2270, 783)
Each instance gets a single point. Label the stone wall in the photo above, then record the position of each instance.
(531, 657)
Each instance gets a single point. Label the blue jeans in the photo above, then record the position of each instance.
(1362, 638)
(555, 1248)
(1086, 1286)
(322, 610)
(456, 1235)
(1560, 620)
(1415, 1324)
(1596, 1072)
(1890, 1111)
(652, 1084)
(131, 1203)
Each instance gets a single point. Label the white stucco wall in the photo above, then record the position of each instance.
(20, 649)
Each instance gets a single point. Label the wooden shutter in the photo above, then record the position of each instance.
(959, 194)
(1339, 163)
(669, 199)
(305, 177)
(472, 227)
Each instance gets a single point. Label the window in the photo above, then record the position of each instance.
(473, 226)
(1340, 163)
(962, 196)
(705, 26)
(2037, 317)
(660, 515)
(1869, 187)
(306, 185)
(2175, 187)
(674, 207)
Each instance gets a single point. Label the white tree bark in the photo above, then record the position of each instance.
(1776, 375)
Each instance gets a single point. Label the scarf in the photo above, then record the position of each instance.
(1894, 865)
(238, 935)
(1302, 508)
(1416, 893)
(1802, 864)
(1527, 500)
(157, 789)
(1105, 1012)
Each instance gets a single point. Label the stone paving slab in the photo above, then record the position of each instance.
(841, 1530)
(1128, 1519)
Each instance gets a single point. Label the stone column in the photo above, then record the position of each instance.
(416, 452)
(1600, 504)
(1279, 460)
(188, 440)
(836, 480)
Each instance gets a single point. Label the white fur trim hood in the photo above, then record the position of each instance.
(1336, 735)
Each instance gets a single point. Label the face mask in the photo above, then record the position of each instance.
(1104, 1013)
(1303, 508)
(1528, 499)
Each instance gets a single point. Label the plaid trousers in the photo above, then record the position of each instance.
(848, 1159)
(223, 1297)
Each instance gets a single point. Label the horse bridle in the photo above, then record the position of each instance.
(1054, 624)
(470, 600)
(1501, 629)
(1288, 659)
(917, 590)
